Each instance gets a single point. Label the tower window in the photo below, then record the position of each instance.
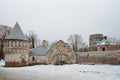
(23, 61)
(33, 58)
(103, 49)
(8, 43)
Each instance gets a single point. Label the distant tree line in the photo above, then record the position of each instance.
(33, 39)
(77, 43)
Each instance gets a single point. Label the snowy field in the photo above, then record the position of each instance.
(65, 72)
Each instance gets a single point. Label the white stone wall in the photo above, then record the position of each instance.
(16, 52)
(38, 59)
(12, 57)
(61, 50)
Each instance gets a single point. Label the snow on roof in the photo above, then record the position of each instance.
(104, 42)
(16, 33)
(100, 52)
(39, 51)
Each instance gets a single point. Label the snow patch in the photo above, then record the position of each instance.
(2, 63)
(64, 72)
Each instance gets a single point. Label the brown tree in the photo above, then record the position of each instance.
(33, 39)
(4, 31)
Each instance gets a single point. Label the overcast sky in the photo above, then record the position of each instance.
(57, 19)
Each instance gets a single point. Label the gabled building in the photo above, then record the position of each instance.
(58, 53)
(38, 55)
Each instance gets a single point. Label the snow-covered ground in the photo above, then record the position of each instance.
(64, 72)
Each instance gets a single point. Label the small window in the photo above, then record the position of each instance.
(11, 43)
(33, 58)
(23, 61)
(19, 44)
(8, 43)
(103, 49)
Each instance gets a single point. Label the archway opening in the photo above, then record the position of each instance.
(23, 61)
(61, 59)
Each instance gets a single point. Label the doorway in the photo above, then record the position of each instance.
(23, 61)
(103, 49)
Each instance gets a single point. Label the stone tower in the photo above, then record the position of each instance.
(95, 37)
(16, 48)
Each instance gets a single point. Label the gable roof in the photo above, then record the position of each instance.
(16, 33)
(39, 51)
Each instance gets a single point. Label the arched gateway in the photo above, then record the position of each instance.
(61, 53)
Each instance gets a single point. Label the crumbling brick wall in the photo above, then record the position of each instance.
(106, 57)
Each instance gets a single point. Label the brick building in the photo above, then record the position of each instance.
(99, 42)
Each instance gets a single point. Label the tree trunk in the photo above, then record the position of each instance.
(1, 50)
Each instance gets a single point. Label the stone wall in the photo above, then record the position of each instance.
(40, 59)
(108, 47)
(101, 57)
(16, 53)
(61, 51)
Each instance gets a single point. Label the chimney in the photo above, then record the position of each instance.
(105, 38)
(45, 43)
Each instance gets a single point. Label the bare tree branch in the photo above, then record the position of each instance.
(4, 31)
(33, 39)
(76, 42)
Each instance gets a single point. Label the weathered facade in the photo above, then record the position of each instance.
(99, 57)
(18, 53)
(95, 37)
(58, 53)
(61, 52)
(16, 48)
(99, 42)
(107, 47)
(38, 55)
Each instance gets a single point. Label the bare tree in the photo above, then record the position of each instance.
(118, 42)
(33, 39)
(76, 41)
(4, 31)
(84, 48)
(52, 43)
(114, 40)
(37, 42)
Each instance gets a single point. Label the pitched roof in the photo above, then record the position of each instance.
(16, 33)
(39, 51)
